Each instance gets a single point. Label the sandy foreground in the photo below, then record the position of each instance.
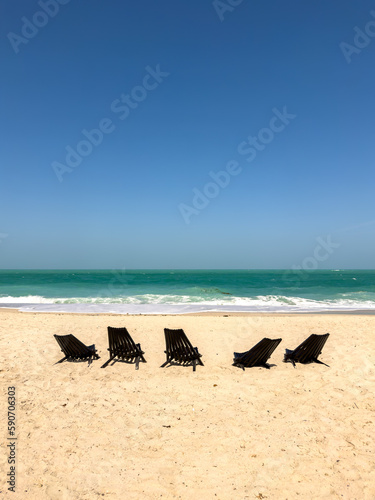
(221, 432)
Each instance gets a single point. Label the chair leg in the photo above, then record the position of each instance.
(137, 363)
(289, 360)
(320, 362)
(107, 362)
(61, 360)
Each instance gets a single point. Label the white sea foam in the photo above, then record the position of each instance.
(29, 299)
(178, 304)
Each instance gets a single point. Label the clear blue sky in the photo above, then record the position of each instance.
(217, 85)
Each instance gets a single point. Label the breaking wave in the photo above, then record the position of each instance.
(154, 304)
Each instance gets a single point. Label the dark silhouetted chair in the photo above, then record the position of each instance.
(258, 355)
(308, 351)
(179, 349)
(123, 347)
(74, 349)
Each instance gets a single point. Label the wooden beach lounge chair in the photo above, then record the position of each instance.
(123, 347)
(257, 355)
(74, 349)
(308, 351)
(179, 349)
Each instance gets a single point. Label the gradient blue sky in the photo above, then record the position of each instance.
(120, 207)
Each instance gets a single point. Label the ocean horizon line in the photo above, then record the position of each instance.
(186, 269)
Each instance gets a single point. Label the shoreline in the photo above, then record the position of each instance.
(354, 312)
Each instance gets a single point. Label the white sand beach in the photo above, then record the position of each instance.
(220, 432)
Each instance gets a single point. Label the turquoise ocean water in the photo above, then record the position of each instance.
(131, 291)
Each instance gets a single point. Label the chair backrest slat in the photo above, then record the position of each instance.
(259, 354)
(178, 346)
(309, 350)
(121, 342)
(72, 347)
